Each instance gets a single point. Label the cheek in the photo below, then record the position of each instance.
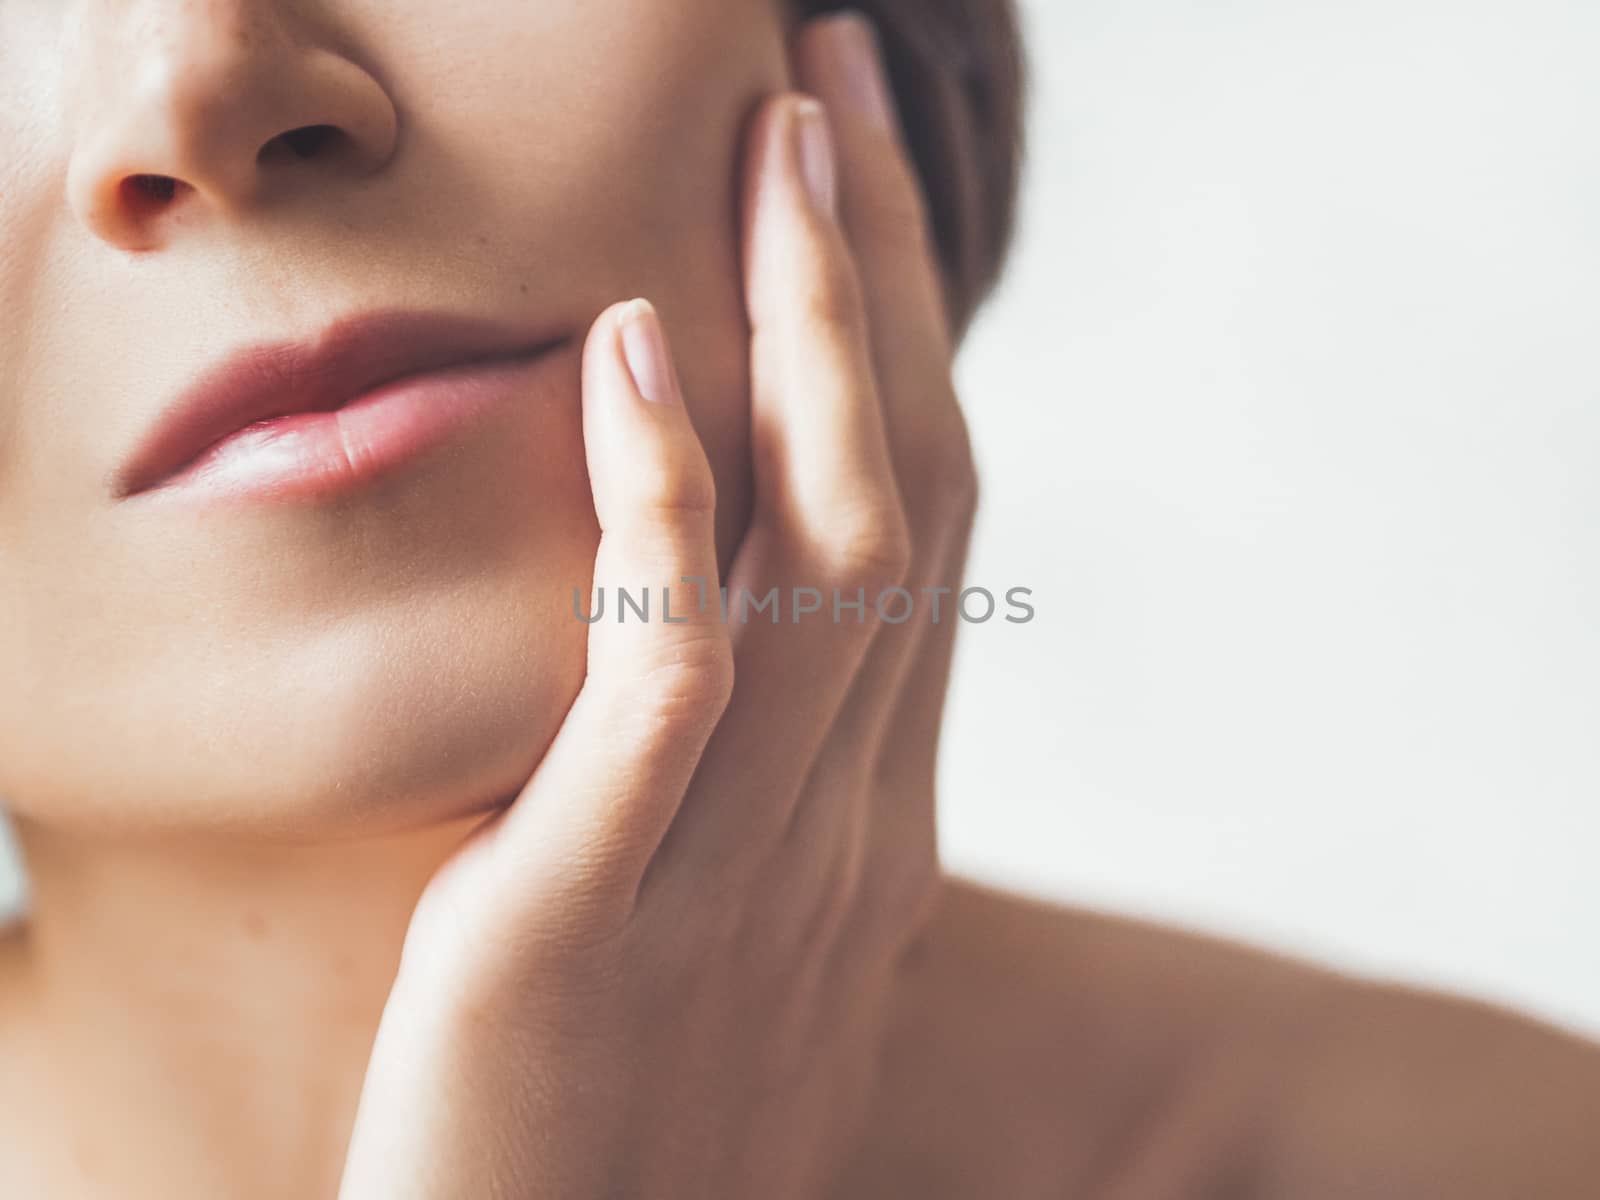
(621, 157)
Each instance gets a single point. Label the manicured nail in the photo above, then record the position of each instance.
(644, 347)
(860, 59)
(814, 148)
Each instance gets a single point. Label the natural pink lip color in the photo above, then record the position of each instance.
(307, 419)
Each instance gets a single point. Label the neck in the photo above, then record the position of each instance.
(224, 989)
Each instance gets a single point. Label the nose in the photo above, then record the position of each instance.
(189, 109)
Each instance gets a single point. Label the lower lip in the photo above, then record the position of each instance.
(314, 455)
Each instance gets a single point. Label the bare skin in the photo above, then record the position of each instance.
(1035, 1051)
(1043, 1052)
(194, 1014)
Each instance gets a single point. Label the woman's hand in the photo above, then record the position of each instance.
(666, 968)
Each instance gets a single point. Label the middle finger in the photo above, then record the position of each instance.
(827, 516)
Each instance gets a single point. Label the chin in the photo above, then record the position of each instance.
(424, 724)
(397, 746)
(432, 705)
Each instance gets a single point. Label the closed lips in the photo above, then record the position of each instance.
(349, 359)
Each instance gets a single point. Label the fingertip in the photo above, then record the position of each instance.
(840, 57)
(601, 355)
(642, 449)
(645, 352)
(627, 359)
(794, 160)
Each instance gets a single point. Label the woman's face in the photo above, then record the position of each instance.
(401, 651)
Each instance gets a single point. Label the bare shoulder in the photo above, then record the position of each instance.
(1041, 1050)
(1036, 1046)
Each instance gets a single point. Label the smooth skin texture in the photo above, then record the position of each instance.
(674, 964)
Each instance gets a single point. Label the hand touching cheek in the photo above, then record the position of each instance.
(666, 969)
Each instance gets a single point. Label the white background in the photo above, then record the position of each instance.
(1289, 413)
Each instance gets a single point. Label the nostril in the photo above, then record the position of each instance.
(145, 195)
(304, 142)
(159, 188)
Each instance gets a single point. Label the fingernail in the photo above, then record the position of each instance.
(644, 347)
(814, 148)
(860, 59)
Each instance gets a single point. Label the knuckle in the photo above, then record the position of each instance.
(686, 490)
(958, 466)
(872, 551)
(941, 479)
(689, 685)
(968, 494)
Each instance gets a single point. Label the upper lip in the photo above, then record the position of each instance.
(272, 379)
